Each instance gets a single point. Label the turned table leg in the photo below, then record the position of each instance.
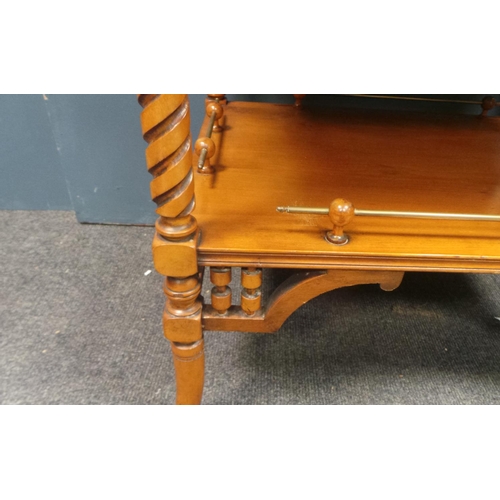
(182, 326)
(189, 362)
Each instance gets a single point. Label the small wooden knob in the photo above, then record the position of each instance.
(341, 213)
(488, 103)
(205, 143)
(212, 97)
(298, 99)
(215, 106)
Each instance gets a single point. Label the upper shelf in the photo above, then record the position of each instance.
(485, 105)
(271, 155)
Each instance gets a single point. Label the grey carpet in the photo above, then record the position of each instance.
(81, 324)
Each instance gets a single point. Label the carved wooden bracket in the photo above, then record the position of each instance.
(292, 294)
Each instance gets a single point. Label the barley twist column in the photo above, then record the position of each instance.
(166, 128)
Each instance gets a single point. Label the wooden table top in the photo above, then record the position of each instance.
(271, 155)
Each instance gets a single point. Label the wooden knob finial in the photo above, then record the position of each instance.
(212, 97)
(298, 99)
(341, 213)
(207, 144)
(215, 107)
(488, 103)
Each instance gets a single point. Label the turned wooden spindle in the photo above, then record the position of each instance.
(341, 212)
(488, 103)
(182, 325)
(298, 99)
(221, 292)
(251, 295)
(182, 294)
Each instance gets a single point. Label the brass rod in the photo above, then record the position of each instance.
(303, 210)
(211, 124)
(398, 98)
(426, 215)
(203, 157)
(388, 213)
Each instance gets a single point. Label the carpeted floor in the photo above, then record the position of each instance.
(80, 323)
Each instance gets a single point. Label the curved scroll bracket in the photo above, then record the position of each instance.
(294, 293)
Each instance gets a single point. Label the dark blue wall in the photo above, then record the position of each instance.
(102, 154)
(31, 176)
(85, 151)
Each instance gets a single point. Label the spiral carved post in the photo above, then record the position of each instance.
(166, 128)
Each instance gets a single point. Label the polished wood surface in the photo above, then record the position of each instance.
(271, 155)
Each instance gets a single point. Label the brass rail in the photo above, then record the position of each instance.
(422, 99)
(341, 212)
(390, 213)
